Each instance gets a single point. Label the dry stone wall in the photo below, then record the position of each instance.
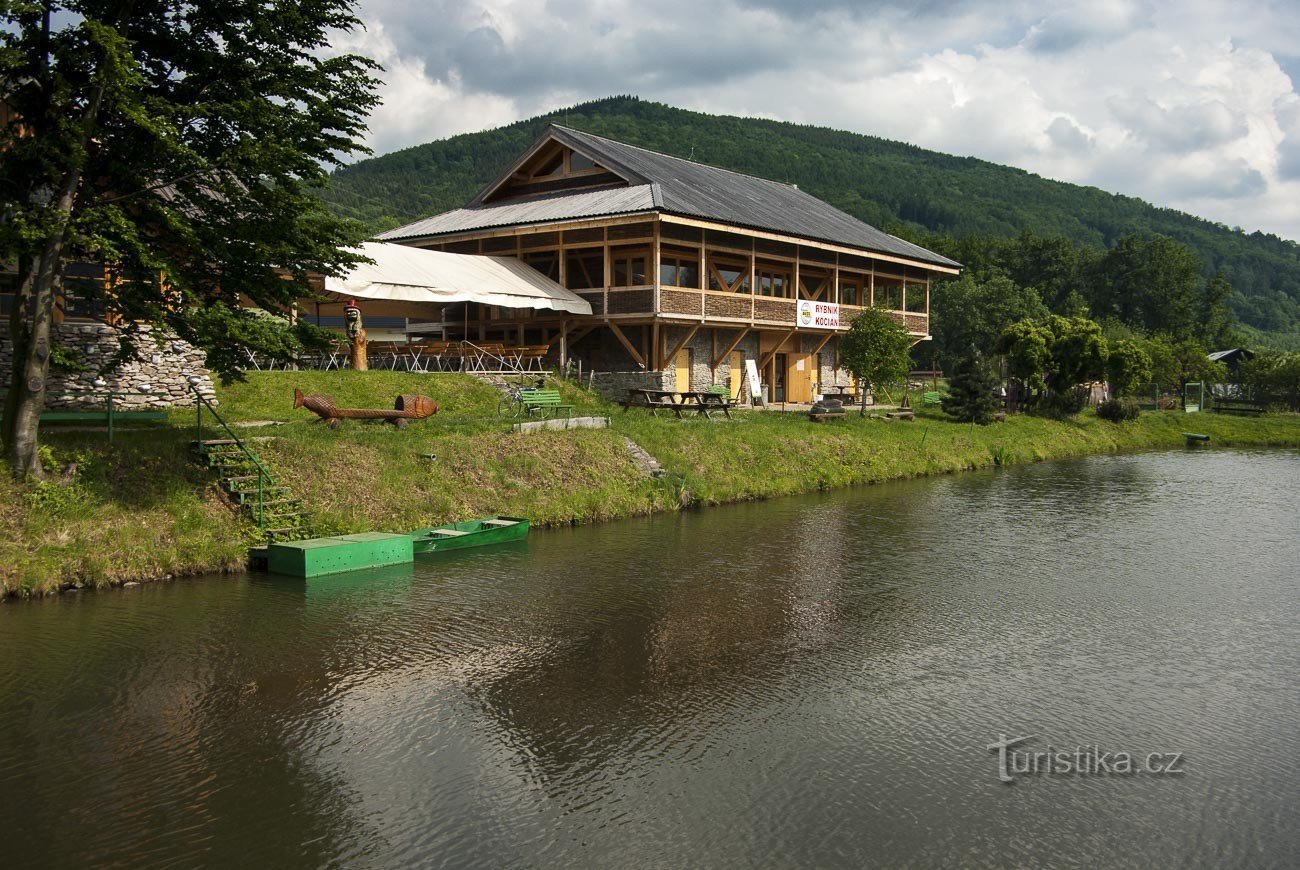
(159, 377)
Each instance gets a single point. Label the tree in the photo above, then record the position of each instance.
(971, 389)
(1127, 366)
(875, 350)
(1152, 282)
(179, 143)
(1055, 355)
(973, 311)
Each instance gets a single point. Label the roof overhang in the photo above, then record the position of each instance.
(401, 273)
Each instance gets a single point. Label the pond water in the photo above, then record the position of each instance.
(813, 681)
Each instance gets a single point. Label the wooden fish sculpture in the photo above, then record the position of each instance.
(406, 408)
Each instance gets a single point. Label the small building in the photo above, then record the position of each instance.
(1232, 358)
(690, 270)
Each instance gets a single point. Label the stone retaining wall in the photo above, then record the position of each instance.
(158, 378)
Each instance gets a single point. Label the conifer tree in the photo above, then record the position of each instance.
(970, 390)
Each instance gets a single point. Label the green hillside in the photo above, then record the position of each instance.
(887, 184)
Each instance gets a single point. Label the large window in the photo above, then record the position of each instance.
(584, 269)
(915, 298)
(728, 275)
(851, 290)
(816, 284)
(774, 281)
(679, 268)
(628, 267)
(889, 293)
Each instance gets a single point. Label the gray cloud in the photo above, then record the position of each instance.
(1182, 102)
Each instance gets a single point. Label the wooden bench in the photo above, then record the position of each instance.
(933, 397)
(546, 401)
(1236, 406)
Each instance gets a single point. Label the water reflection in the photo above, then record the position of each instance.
(807, 681)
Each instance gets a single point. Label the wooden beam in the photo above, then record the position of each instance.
(681, 344)
(818, 348)
(573, 338)
(618, 333)
(653, 351)
(775, 348)
(717, 361)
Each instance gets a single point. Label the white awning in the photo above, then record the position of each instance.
(401, 273)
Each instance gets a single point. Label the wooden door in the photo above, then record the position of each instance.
(800, 378)
(736, 374)
(682, 366)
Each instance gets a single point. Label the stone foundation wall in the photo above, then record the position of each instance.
(614, 386)
(157, 378)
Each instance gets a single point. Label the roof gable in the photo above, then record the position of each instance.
(552, 166)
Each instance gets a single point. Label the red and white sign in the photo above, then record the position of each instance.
(817, 315)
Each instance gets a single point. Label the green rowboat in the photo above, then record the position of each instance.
(471, 533)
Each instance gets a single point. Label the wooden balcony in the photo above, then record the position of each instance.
(721, 308)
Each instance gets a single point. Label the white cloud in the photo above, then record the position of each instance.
(1184, 104)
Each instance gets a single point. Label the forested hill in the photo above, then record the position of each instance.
(887, 184)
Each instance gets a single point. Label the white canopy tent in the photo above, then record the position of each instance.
(401, 273)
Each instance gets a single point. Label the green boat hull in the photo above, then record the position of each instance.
(471, 533)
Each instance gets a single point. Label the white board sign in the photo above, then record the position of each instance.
(817, 315)
(755, 385)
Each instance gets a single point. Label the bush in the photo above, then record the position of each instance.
(1118, 410)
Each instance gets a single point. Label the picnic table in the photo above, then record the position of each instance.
(700, 401)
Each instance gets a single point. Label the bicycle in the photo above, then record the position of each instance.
(511, 405)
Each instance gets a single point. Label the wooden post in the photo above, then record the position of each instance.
(564, 344)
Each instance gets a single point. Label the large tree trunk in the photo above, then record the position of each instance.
(30, 334)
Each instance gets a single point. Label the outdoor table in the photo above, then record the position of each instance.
(700, 401)
(707, 401)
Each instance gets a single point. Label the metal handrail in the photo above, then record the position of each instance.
(514, 366)
(263, 476)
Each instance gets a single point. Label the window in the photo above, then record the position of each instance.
(628, 267)
(584, 269)
(889, 293)
(915, 298)
(816, 285)
(850, 290)
(773, 281)
(734, 274)
(679, 269)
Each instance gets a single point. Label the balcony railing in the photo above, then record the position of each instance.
(724, 307)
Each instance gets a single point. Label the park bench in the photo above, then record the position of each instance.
(107, 415)
(1237, 406)
(933, 397)
(545, 401)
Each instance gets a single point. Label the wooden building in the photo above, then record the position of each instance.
(689, 269)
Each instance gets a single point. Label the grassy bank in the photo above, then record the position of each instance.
(141, 510)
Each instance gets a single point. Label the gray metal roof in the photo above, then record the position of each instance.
(680, 187)
(595, 203)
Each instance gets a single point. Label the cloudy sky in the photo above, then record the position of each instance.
(1187, 104)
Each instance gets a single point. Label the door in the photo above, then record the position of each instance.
(682, 367)
(797, 385)
(736, 374)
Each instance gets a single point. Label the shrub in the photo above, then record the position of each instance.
(1118, 410)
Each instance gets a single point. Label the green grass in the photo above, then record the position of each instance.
(140, 509)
